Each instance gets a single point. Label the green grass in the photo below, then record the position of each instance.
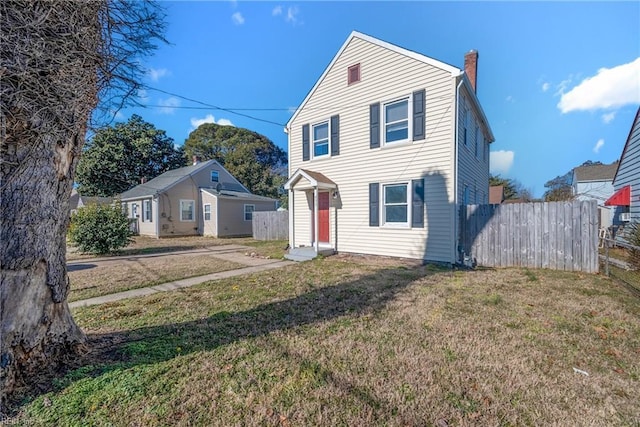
(358, 341)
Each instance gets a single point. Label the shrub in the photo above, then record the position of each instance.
(634, 239)
(100, 229)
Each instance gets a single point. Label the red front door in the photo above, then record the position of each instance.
(323, 217)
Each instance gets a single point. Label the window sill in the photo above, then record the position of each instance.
(396, 226)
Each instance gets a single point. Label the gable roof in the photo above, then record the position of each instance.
(636, 122)
(454, 71)
(595, 172)
(227, 194)
(316, 179)
(406, 52)
(170, 178)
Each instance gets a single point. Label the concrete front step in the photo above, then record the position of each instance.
(307, 253)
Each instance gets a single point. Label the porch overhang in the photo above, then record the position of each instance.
(303, 180)
(622, 197)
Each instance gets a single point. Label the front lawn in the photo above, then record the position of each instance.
(346, 341)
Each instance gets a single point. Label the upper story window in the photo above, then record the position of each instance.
(320, 137)
(353, 74)
(396, 121)
(396, 204)
(478, 142)
(215, 176)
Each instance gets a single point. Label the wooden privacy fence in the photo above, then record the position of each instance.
(271, 225)
(554, 235)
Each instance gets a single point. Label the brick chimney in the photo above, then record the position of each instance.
(471, 68)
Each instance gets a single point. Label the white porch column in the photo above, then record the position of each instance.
(315, 218)
(292, 236)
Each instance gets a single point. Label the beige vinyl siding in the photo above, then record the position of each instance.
(169, 206)
(472, 170)
(231, 215)
(210, 228)
(385, 76)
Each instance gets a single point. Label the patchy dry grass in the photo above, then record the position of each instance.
(107, 277)
(359, 341)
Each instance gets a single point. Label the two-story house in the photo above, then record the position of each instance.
(382, 151)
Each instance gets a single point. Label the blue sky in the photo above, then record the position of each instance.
(559, 82)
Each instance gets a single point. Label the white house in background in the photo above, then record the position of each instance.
(382, 151)
(595, 182)
(202, 199)
(627, 178)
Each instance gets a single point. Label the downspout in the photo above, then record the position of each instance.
(456, 219)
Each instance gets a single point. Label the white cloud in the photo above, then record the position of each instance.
(276, 11)
(167, 106)
(292, 14)
(143, 96)
(156, 74)
(598, 146)
(608, 117)
(509, 99)
(609, 88)
(237, 18)
(501, 161)
(195, 122)
(545, 86)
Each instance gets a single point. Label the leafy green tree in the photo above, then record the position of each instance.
(117, 158)
(252, 158)
(100, 229)
(510, 186)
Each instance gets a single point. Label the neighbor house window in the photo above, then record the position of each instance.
(215, 176)
(465, 195)
(396, 121)
(353, 74)
(146, 210)
(187, 210)
(321, 139)
(207, 212)
(248, 212)
(478, 141)
(396, 204)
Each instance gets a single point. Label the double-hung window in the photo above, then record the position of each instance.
(215, 176)
(187, 210)
(207, 212)
(396, 121)
(146, 210)
(248, 212)
(321, 139)
(396, 204)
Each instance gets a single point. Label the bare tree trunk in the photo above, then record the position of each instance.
(48, 86)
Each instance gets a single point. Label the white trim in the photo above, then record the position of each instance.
(397, 49)
(383, 205)
(245, 211)
(313, 183)
(147, 203)
(193, 210)
(312, 143)
(383, 127)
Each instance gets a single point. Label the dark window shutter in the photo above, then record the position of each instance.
(418, 115)
(374, 204)
(417, 203)
(374, 125)
(305, 142)
(335, 135)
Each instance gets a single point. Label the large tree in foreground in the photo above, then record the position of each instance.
(59, 59)
(252, 158)
(118, 157)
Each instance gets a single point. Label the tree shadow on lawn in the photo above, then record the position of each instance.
(367, 294)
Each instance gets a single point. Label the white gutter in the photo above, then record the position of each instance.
(456, 220)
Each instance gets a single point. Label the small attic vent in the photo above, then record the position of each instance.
(353, 74)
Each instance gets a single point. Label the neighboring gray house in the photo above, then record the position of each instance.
(595, 182)
(627, 178)
(202, 199)
(77, 201)
(383, 150)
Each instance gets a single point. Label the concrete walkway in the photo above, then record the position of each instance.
(234, 253)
